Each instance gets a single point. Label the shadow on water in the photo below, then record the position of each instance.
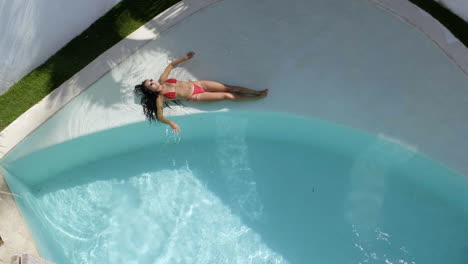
(304, 197)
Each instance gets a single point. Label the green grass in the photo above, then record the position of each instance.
(119, 22)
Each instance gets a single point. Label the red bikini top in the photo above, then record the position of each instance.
(170, 95)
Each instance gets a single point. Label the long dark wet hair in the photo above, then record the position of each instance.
(148, 101)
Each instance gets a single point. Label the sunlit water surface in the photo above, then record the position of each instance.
(243, 188)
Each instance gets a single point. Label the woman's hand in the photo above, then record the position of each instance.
(190, 55)
(175, 127)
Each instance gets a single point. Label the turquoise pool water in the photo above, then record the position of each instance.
(240, 188)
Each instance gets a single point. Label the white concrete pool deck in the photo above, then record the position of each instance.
(442, 144)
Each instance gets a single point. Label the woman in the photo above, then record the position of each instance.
(155, 94)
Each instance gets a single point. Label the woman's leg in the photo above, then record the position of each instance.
(211, 86)
(220, 96)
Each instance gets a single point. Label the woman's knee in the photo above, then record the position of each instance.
(193, 98)
(229, 96)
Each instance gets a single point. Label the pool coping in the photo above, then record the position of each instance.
(14, 232)
(430, 27)
(47, 107)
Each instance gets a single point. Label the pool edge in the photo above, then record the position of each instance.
(429, 27)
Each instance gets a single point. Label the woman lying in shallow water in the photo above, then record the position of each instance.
(154, 94)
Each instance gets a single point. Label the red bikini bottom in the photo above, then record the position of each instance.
(196, 90)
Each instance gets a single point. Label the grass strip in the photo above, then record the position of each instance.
(115, 25)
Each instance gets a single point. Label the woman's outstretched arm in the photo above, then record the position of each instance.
(160, 116)
(171, 65)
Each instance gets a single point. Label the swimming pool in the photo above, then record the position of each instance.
(241, 188)
(264, 186)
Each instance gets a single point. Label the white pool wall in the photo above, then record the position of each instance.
(34, 30)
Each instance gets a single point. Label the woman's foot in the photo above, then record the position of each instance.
(263, 93)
